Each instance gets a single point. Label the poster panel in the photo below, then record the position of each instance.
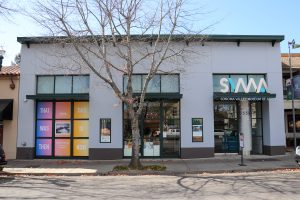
(80, 147)
(81, 110)
(44, 110)
(81, 128)
(197, 129)
(63, 110)
(62, 147)
(105, 130)
(43, 147)
(44, 128)
(62, 128)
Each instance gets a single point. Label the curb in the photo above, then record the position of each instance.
(149, 172)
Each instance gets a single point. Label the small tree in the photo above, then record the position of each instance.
(94, 27)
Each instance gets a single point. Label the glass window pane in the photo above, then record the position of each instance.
(81, 147)
(62, 147)
(81, 84)
(63, 110)
(257, 78)
(62, 128)
(44, 110)
(153, 85)
(44, 128)
(43, 147)
(236, 83)
(63, 84)
(81, 110)
(217, 85)
(81, 128)
(170, 83)
(136, 83)
(45, 85)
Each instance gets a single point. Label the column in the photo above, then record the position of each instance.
(245, 125)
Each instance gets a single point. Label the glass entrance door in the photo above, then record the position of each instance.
(171, 129)
(151, 129)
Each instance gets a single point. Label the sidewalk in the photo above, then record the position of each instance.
(219, 164)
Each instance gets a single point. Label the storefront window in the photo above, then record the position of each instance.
(45, 85)
(217, 87)
(63, 84)
(158, 84)
(63, 131)
(169, 83)
(81, 84)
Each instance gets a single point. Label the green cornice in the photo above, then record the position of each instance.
(148, 38)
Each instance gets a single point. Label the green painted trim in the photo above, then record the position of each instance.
(156, 96)
(240, 96)
(58, 97)
(149, 38)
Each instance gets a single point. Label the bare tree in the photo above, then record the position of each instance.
(5, 8)
(95, 27)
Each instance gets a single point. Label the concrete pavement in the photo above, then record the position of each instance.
(219, 164)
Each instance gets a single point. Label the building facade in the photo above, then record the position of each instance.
(9, 87)
(227, 94)
(288, 115)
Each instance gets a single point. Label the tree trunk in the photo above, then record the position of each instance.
(135, 158)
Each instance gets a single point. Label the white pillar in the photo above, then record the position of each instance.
(245, 125)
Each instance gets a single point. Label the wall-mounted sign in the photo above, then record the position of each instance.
(197, 129)
(105, 130)
(240, 85)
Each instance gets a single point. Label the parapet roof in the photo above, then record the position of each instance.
(210, 38)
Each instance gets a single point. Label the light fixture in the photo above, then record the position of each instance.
(2, 52)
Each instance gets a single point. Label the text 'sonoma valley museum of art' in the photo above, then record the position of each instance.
(230, 84)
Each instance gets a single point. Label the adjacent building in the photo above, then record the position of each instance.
(9, 96)
(288, 117)
(227, 94)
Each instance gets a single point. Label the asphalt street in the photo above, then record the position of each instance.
(252, 185)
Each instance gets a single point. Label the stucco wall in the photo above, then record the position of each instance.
(10, 126)
(196, 86)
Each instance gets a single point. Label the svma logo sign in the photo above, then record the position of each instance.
(258, 87)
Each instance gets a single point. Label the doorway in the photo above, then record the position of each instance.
(160, 130)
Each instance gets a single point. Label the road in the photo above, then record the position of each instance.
(255, 185)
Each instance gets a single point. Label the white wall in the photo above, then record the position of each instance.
(196, 87)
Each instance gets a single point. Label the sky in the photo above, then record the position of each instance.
(229, 17)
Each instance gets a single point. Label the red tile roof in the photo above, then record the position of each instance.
(10, 70)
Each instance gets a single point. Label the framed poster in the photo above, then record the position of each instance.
(63, 110)
(105, 130)
(62, 147)
(44, 128)
(62, 128)
(44, 110)
(197, 129)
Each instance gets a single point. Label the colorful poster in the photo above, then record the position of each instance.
(44, 110)
(62, 147)
(43, 147)
(44, 128)
(81, 110)
(81, 128)
(63, 110)
(105, 130)
(62, 128)
(197, 128)
(80, 147)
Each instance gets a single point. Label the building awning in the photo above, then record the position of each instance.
(158, 96)
(6, 109)
(251, 96)
(58, 97)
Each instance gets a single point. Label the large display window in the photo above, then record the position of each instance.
(62, 129)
